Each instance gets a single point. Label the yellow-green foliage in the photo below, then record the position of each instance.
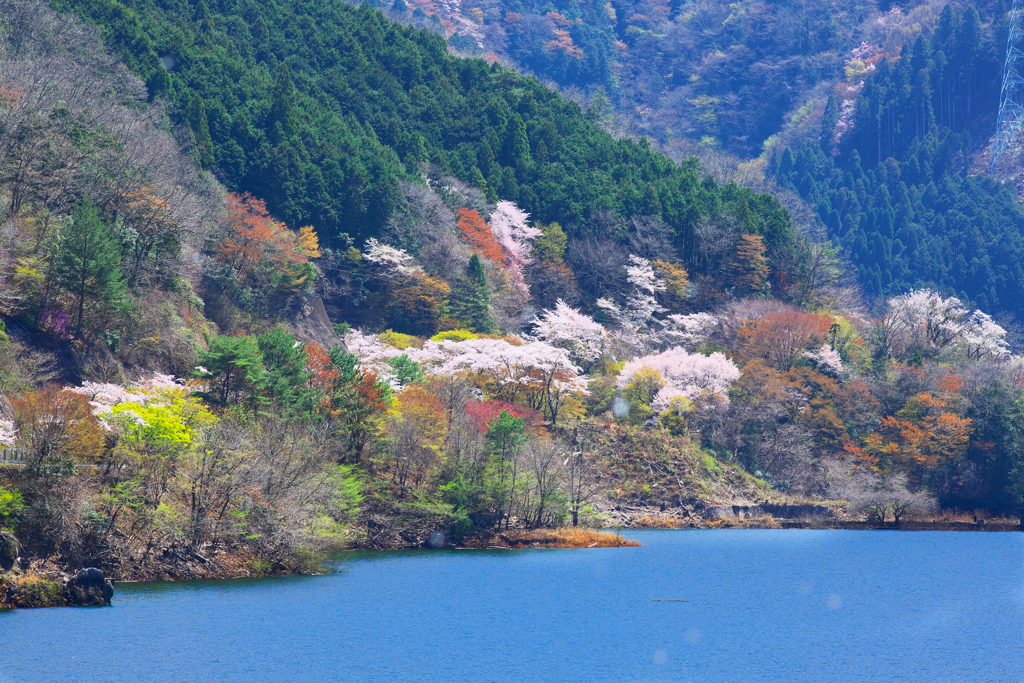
(601, 391)
(551, 245)
(644, 385)
(454, 335)
(673, 419)
(399, 340)
(11, 503)
(846, 339)
(172, 418)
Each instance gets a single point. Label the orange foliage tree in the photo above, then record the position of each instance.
(324, 377)
(677, 285)
(923, 437)
(8, 95)
(416, 430)
(827, 428)
(478, 235)
(263, 253)
(372, 400)
(54, 424)
(780, 337)
(149, 215)
(563, 43)
(751, 266)
(421, 301)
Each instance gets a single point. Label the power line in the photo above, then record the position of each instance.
(1011, 112)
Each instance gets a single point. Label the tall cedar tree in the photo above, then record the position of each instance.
(87, 263)
(288, 381)
(349, 401)
(471, 300)
(197, 121)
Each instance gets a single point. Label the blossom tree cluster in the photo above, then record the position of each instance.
(686, 375)
(925, 323)
(585, 340)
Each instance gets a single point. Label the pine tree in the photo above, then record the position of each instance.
(344, 401)
(287, 383)
(87, 263)
(235, 367)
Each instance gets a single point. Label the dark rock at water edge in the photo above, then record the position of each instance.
(88, 588)
(9, 549)
(436, 540)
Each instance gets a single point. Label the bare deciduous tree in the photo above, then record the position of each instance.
(599, 265)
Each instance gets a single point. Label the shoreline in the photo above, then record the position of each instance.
(46, 587)
(820, 524)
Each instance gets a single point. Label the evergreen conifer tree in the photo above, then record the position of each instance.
(282, 108)
(517, 145)
(471, 300)
(87, 263)
(235, 366)
(828, 122)
(196, 117)
(287, 380)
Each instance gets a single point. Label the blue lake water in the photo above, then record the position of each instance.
(764, 605)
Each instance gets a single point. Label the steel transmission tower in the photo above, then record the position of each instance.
(1011, 110)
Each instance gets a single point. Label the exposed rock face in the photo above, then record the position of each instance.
(8, 550)
(88, 588)
(310, 322)
(6, 409)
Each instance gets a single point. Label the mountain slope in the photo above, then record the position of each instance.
(322, 108)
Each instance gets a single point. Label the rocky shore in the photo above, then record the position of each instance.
(85, 588)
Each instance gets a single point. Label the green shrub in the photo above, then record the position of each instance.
(11, 503)
(460, 526)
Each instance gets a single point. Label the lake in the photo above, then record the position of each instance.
(763, 605)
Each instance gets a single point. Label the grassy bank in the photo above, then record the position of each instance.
(566, 537)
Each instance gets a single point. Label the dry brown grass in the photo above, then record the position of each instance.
(31, 589)
(968, 517)
(566, 537)
(652, 522)
(766, 522)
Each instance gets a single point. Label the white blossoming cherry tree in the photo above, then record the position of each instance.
(510, 229)
(688, 375)
(585, 340)
(923, 320)
(536, 373)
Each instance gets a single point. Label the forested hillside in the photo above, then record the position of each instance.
(323, 108)
(824, 79)
(541, 323)
(890, 178)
